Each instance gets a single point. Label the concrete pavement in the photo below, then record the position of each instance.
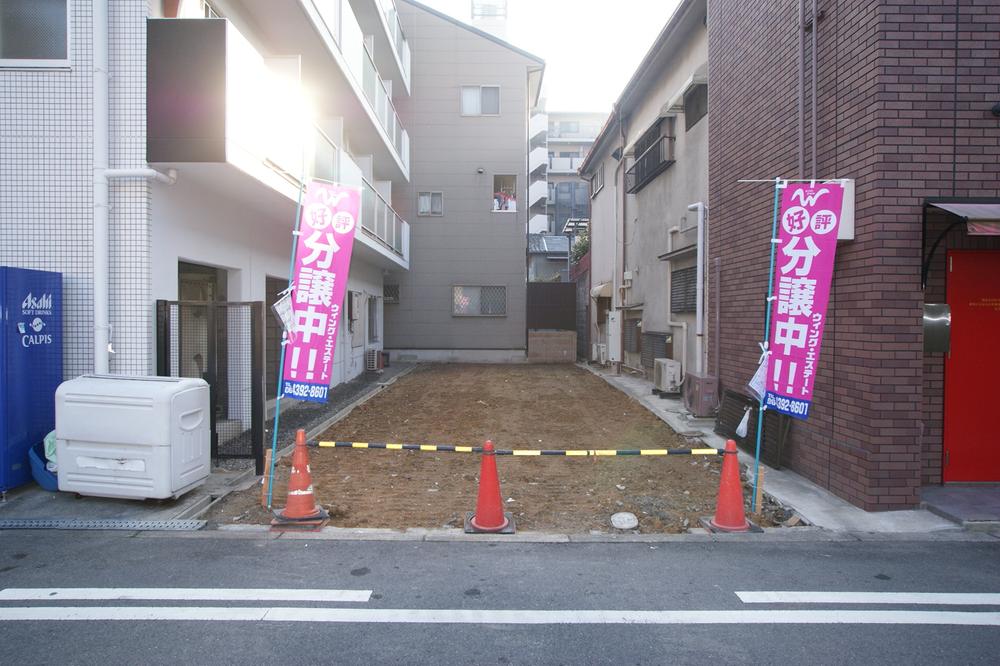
(817, 505)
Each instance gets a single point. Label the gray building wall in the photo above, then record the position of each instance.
(469, 244)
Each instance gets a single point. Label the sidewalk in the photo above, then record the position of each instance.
(817, 505)
(32, 503)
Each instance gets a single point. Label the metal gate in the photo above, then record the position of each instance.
(222, 343)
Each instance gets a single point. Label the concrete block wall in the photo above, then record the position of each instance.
(551, 346)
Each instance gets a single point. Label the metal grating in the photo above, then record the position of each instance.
(130, 525)
(633, 340)
(683, 290)
(773, 436)
(656, 345)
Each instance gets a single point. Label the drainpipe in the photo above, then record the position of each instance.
(802, 88)
(815, 57)
(101, 113)
(101, 175)
(699, 322)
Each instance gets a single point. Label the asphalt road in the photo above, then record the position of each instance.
(410, 602)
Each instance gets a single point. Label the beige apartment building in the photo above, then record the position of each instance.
(648, 174)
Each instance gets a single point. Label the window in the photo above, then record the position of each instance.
(695, 105)
(479, 301)
(430, 203)
(683, 294)
(504, 194)
(597, 182)
(390, 293)
(480, 100)
(569, 127)
(654, 152)
(34, 33)
(373, 319)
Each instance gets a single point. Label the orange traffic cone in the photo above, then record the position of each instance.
(489, 515)
(301, 510)
(729, 513)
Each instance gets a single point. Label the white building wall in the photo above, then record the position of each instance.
(193, 224)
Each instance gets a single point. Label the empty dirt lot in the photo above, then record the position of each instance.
(517, 407)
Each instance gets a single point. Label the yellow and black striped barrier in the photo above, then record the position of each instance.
(443, 448)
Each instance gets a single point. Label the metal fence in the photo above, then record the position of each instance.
(552, 305)
(222, 343)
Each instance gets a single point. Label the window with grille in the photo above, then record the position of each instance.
(654, 152)
(390, 293)
(34, 33)
(597, 182)
(480, 100)
(633, 336)
(373, 319)
(683, 283)
(430, 203)
(479, 301)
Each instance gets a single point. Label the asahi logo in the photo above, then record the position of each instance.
(39, 305)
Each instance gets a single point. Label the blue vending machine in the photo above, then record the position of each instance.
(31, 366)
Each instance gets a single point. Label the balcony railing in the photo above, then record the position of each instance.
(399, 43)
(346, 32)
(537, 124)
(380, 221)
(565, 164)
(650, 163)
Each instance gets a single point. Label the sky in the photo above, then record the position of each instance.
(590, 47)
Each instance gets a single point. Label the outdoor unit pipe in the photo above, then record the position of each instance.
(699, 300)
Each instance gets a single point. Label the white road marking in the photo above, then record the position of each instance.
(919, 598)
(512, 617)
(179, 594)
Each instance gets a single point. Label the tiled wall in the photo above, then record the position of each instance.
(46, 191)
(130, 218)
(46, 184)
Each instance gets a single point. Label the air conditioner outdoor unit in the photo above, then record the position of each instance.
(666, 375)
(602, 353)
(701, 394)
(371, 359)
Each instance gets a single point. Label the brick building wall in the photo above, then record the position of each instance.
(903, 108)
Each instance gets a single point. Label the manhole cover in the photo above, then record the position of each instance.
(624, 521)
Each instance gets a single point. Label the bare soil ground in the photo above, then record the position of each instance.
(517, 407)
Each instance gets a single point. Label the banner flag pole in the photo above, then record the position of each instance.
(767, 337)
(284, 341)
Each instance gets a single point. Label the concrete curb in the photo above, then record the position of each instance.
(451, 535)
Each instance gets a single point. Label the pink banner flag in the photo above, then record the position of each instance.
(322, 260)
(810, 215)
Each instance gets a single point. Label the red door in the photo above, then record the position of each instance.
(972, 368)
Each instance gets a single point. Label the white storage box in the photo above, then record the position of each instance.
(132, 437)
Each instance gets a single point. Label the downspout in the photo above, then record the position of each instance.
(101, 174)
(802, 89)
(101, 113)
(815, 58)
(699, 322)
(615, 296)
(620, 273)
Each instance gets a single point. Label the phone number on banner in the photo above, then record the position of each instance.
(303, 391)
(798, 409)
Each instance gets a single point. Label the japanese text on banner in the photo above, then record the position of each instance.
(810, 215)
(322, 260)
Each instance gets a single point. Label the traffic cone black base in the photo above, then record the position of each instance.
(472, 528)
(706, 522)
